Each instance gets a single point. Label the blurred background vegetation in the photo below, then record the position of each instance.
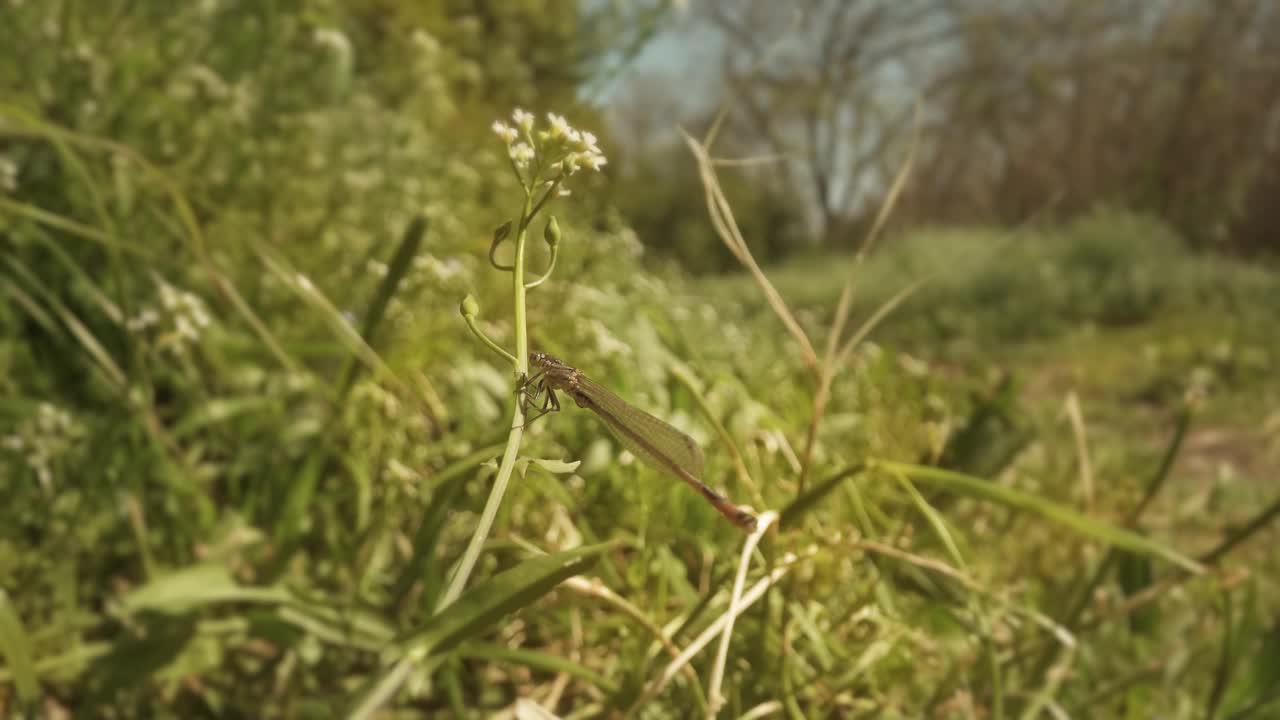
(244, 433)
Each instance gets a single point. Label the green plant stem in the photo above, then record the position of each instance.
(475, 330)
(503, 478)
(551, 266)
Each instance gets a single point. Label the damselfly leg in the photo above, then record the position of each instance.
(537, 398)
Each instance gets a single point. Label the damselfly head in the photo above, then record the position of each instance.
(543, 361)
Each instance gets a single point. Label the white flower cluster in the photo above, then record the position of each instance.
(563, 147)
(178, 321)
(44, 437)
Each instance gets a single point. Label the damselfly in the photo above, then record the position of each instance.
(648, 438)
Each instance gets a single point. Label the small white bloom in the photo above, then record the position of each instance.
(505, 131)
(559, 126)
(182, 325)
(595, 161)
(168, 296)
(200, 317)
(522, 154)
(523, 120)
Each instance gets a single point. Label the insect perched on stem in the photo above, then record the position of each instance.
(655, 442)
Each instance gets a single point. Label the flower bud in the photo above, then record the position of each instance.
(501, 232)
(469, 306)
(552, 232)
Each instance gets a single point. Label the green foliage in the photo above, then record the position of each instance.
(662, 199)
(989, 287)
(244, 435)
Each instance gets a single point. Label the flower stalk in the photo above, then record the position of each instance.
(541, 161)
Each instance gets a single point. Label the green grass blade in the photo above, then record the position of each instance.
(1090, 527)
(15, 646)
(536, 660)
(71, 227)
(796, 509)
(480, 607)
(399, 266)
(198, 585)
(425, 565)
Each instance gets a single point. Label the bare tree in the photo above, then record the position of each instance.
(828, 85)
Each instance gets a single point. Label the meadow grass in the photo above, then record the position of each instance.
(1042, 488)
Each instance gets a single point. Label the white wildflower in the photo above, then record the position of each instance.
(143, 320)
(522, 154)
(505, 131)
(185, 328)
(560, 127)
(43, 438)
(523, 120)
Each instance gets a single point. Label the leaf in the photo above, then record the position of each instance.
(220, 410)
(1135, 574)
(802, 504)
(156, 646)
(483, 605)
(555, 467)
(425, 565)
(1083, 524)
(195, 586)
(15, 646)
(536, 660)
(399, 266)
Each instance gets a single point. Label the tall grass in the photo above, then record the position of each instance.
(245, 448)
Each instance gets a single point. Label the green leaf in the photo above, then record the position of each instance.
(555, 467)
(483, 605)
(536, 660)
(155, 648)
(399, 266)
(1135, 575)
(1090, 527)
(15, 645)
(806, 502)
(425, 565)
(220, 410)
(195, 586)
